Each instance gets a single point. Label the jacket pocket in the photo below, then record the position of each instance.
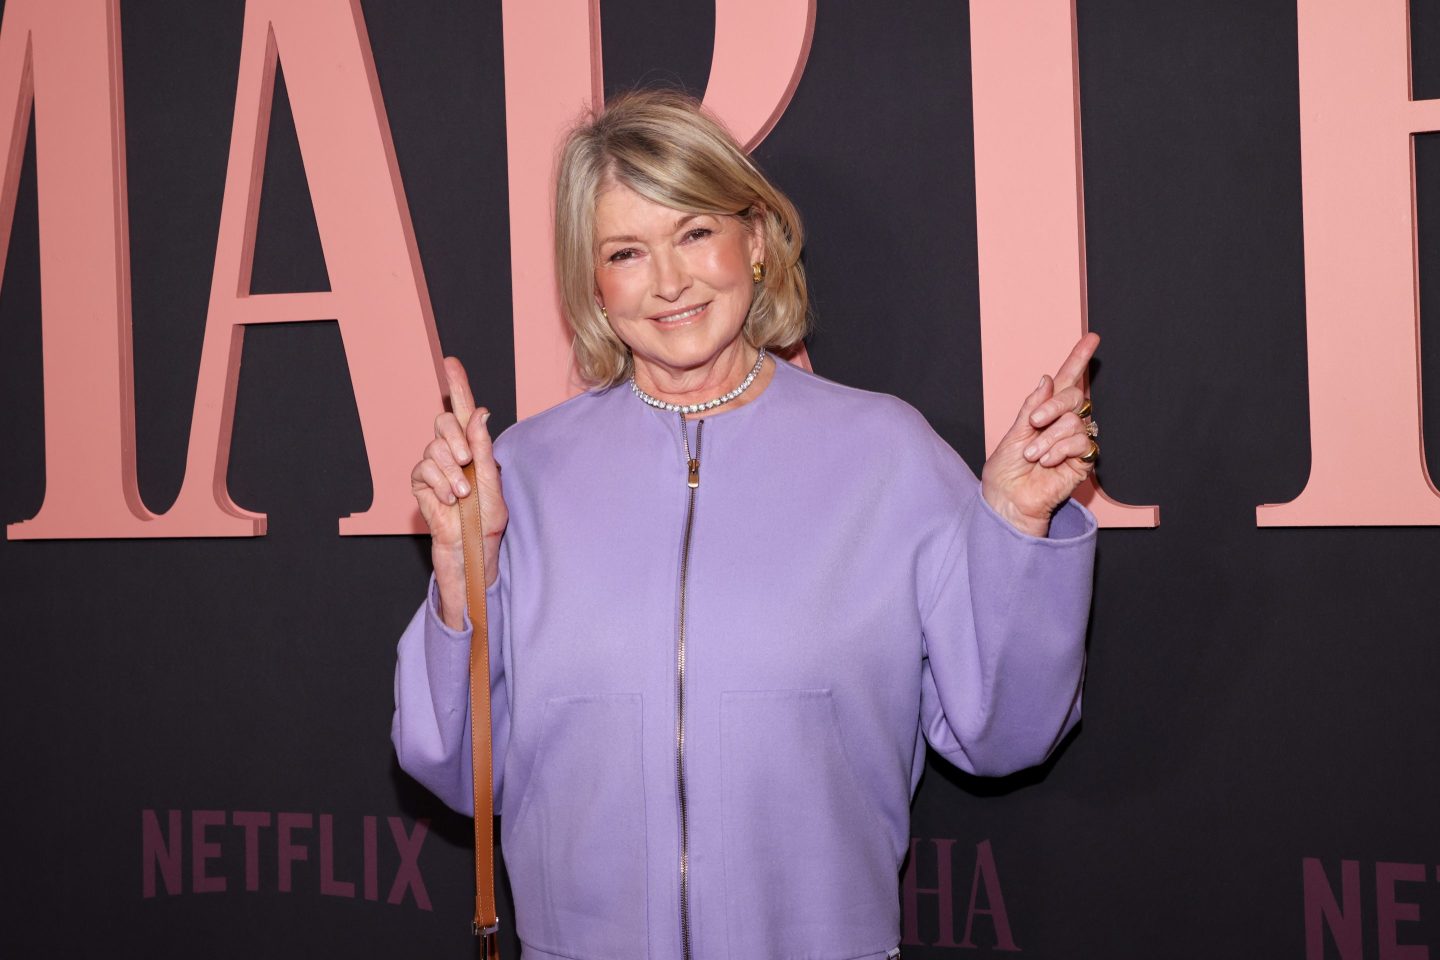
(810, 870)
(576, 851)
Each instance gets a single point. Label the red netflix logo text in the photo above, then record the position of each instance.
(216, 851)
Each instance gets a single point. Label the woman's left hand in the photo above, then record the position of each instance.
(1037, 464)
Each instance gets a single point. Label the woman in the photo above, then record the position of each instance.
(729, 598)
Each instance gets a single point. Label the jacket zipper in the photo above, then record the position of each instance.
(692, 481)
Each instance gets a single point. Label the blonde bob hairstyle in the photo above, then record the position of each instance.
(665, 147)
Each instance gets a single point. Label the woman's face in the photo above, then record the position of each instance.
(677, 287)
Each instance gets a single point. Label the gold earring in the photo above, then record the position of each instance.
(605, 313)
(757, 270)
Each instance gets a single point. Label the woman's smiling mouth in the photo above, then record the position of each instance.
(681, 315)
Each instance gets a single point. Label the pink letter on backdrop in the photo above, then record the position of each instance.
(378, 293)
(329, 886)
(552, 74)
(1391, 911)
(943, 892)
(1361, 298)
(1030, 210)
(1322, 910)
(407, 875)
(66, 59)
(995, 903)
(760, 52)
(160, 849)
(251, 821)
(202, 851)
(287, 852)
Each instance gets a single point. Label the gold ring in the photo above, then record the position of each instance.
(1092, 453)
(1084, 410)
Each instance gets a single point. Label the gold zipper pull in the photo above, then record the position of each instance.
(692, 480)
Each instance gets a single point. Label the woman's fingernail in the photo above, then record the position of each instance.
(464, 489)
(485, 417)
(1030, 452)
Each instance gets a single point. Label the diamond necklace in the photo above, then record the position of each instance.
(708, 404)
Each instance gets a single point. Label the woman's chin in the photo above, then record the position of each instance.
(685, 354)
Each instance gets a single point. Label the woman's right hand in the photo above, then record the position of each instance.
(438, 483)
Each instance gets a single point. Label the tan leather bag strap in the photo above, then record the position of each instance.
(472, 543)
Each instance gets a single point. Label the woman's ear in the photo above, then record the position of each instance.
(756, 224)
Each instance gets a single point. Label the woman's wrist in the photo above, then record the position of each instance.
(449, 566)
(1031, 526)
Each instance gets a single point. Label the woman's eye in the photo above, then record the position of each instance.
(699, 233)
(626, 254)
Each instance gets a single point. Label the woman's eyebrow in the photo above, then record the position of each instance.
(627, 238)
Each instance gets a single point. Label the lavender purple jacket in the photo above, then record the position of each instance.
(848, 593)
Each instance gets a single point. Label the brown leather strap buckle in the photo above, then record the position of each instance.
(489, 939)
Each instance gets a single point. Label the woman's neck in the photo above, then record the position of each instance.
(703, 386)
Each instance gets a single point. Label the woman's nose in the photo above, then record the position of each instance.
(671, 276)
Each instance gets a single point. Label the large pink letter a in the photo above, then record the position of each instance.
(378, 293)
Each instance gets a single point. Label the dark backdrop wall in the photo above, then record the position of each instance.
(1256, 697)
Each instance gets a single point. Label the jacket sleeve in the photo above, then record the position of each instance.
(1004, 639)
(431, 726)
